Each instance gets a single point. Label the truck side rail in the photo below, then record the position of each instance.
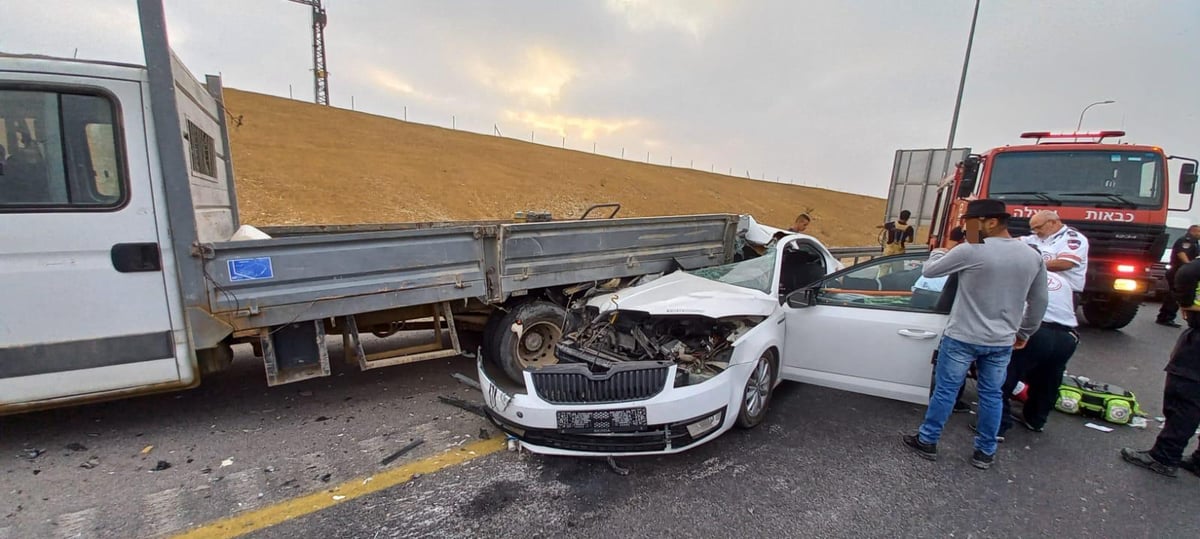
(262, 283)
(542, 255)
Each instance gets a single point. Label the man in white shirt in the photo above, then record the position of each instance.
(1043, 361)
(1063, 248)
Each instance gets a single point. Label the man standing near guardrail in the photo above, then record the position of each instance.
(1000, 302)
(1181, 392)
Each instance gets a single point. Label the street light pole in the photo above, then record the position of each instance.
(962, 82)
(1085, 109)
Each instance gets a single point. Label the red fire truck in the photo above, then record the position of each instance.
(1116, 194)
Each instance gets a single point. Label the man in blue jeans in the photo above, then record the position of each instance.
(1000, 302)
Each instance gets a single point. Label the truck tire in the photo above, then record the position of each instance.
(542, 325)
(1114, 314)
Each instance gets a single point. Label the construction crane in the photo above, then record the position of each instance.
(320, 74)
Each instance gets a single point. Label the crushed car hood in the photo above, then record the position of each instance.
(683, 294)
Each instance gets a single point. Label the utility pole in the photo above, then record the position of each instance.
(320, 74)
(962, 82)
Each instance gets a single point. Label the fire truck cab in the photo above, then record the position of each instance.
(1115, 194)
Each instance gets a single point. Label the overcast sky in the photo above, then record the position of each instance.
(815, 92)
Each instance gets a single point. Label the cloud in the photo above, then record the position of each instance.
(393, 83)
(585, 128)
(692, 17)
(541, 75)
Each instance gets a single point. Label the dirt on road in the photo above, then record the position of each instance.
(299, 163)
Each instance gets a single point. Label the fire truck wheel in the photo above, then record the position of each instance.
(1114, 314)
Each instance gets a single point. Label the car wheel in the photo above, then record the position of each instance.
(757, 394)
(542, 326)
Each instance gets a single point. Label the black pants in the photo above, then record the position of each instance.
(1169, 308)
(1041, 365)
(1181, 407)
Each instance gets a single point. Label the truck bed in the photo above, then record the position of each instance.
(310, 273)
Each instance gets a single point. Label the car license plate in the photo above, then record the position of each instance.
(601, 421)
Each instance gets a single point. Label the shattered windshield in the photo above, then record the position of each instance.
(756, 273)
(1101, 178)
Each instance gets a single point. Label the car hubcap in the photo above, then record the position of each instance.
(758, 387)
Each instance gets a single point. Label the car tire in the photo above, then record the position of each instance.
(1111, 315)
(756, 395)
(543, 325)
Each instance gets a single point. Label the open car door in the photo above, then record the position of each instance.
(872, 328)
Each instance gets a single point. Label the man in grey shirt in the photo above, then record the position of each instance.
(1000, 302)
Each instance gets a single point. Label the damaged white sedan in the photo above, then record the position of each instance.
(671, 364)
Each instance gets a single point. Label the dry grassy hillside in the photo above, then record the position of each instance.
(298, 163)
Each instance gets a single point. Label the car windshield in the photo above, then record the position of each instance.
(1100, 178)
(756, 273)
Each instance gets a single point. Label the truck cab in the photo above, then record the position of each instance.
(1116, 195)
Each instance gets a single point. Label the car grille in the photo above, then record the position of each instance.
(573, 383)
(1111, 239)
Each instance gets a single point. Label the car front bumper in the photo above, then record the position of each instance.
(709, 408)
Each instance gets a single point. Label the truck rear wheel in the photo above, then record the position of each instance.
(1113, 314)
(525, 336)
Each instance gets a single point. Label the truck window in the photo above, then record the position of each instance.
(1078, 177)
(58, 151)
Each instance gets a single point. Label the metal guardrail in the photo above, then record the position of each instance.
(860, 254)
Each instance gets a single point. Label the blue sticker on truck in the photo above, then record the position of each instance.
(250, 269)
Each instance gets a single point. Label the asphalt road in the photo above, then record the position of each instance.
(826, 463)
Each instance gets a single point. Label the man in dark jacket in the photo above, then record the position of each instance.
(1185, 249)
(1181, 392)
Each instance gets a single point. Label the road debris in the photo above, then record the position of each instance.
(227, 462)
(472, 407)
(90, 463)
(306, 393)
(467, 381)
(146, 450)
(338, 498)
(162, 465)
(400, 452)
(325, 478)
(269, 469)
(30, 454)
(1138, 422)
(1100, 428)
(76, 446)
(484, 434)
(612, 465)
(322, 418)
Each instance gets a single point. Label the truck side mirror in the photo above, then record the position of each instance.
(1187, 178)
(970, 175)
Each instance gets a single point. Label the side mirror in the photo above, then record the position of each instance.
(802, 298)
(1187, 178)
(970, 175)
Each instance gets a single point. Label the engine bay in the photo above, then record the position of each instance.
(700, 346)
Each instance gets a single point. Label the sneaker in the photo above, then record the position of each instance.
(1168, 323)
(1190, 464)
(999, 435)
(961, 407)
(927, 451)
(1143, 459)
(982, 460)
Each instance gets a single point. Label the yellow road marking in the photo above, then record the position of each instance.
(355, 488)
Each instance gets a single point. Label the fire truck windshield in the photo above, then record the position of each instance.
(1099, 178)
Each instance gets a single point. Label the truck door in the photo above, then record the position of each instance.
(84, 305)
